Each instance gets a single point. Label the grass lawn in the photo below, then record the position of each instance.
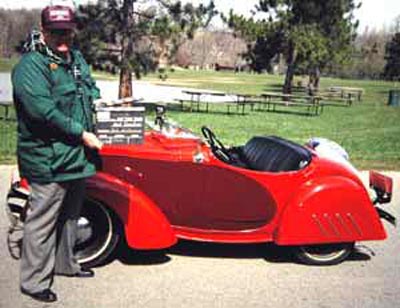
(7, 128)
(6, 64)
(7, 142)
(368, 130)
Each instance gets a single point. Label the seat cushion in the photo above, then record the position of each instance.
(274, 154)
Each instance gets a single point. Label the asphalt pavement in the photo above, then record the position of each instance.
(145, 91)
(232, 276)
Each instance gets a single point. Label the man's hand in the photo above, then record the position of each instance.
(91, 141)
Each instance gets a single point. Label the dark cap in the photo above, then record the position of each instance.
(58, 17)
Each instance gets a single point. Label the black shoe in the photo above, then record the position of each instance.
(83, 273)
(46, 295)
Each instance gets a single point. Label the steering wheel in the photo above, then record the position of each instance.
(216, 145)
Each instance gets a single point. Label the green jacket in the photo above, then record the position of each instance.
(53, 109)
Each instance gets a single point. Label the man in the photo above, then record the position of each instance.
(53, 94)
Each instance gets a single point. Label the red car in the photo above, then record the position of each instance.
(175, 186)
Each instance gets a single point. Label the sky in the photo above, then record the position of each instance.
(374, 14)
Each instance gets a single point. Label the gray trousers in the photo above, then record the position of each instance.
(50, 233)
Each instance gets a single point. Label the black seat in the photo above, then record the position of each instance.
(274, 154)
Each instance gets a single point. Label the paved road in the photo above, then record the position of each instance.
(203, 275)
(143, 90)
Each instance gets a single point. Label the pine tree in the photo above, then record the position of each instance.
(392, 67)
(309, 34)
(118, 36)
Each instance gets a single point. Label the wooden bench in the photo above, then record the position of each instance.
(336, 99)
(313, 104)
(243, 100)
(345, 91)
(194, 99)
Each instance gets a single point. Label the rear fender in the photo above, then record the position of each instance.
(329, 210)
(145, 226)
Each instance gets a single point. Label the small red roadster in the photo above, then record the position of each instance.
(176, 186)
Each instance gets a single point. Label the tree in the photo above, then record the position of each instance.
(263, 39)
(392, 67)
(368, 55)
(209, 48)
(15, 26)
(110, 40)
(309, 34)
(396, 24)
(129, 36)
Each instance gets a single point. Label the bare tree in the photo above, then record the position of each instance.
(210, 48)
(15, 26)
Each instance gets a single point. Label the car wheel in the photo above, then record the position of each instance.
(325, 254)
(98, 234)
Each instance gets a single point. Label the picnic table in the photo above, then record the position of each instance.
(336, 99)
(243, 100)
(195, 97)
(346, 91)
(199, 97)
(270, 100)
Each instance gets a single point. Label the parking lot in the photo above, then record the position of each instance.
(209, 275)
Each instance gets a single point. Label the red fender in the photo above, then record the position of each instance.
(328, 210)
(146, 227)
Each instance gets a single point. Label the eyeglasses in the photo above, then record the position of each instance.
(61, 32)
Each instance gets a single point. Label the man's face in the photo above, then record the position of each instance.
(60, 40)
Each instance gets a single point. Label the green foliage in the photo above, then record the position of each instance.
(102, 30)
(310, 34)
(177, 22)
(392, 67)
(111, 31)
(187, 18)
(265, 39)
(311, 46)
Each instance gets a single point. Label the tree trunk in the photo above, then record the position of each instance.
(313, 80)
(317, 75)
(291, 60)
(125, 76)
(125, 83)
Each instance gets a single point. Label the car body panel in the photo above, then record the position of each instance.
(145, 226)
(329, 210)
